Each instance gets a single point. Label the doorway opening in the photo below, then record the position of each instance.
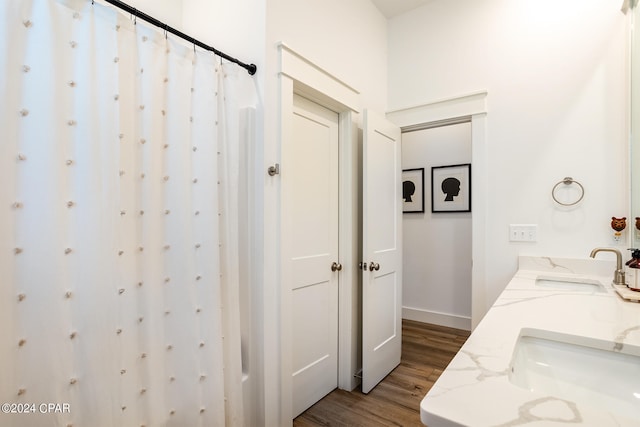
(437, 245)
(473, 105)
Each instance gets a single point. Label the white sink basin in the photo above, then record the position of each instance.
(579, 369)
(569, 284)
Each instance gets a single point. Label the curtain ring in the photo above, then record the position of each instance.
(567, 181)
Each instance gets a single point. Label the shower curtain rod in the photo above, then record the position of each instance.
(251, 68)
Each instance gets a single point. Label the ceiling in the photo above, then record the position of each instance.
(391, 8)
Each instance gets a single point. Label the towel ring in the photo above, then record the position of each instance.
(567, 181)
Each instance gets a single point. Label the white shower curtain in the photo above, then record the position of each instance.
(118, 223)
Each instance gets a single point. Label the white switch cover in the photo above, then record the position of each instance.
(523, 232)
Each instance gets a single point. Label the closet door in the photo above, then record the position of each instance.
(310, 249)
(382, 250)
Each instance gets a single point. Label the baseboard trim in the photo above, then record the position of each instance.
(435, 318)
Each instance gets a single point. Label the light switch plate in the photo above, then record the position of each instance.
(523, 232)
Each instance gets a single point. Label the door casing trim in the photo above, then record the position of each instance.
(301, 76)
(473, 105)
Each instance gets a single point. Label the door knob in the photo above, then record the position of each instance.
(374, 266)
(336, 266)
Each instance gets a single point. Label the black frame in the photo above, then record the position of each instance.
(411, 175)
(438, 175)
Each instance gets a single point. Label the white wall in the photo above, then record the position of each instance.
(437, 246)
(556, 77)
(348, 40)
(635, 127)
(167, 11)
(236, 28)
(555, 72)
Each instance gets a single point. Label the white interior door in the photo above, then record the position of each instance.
(382, 250)
(310, 204)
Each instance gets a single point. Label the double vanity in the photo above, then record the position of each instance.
(559, 346)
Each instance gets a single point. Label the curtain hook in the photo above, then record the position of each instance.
(135, 16)
(165, 32)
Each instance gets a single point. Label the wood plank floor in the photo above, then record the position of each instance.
(426, 352)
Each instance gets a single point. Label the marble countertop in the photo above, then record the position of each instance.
(475, 389)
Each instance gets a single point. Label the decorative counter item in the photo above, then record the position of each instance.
(618, 225)
(632, 268)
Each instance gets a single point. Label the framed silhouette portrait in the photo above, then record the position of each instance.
(451, 188)
(413, 190)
